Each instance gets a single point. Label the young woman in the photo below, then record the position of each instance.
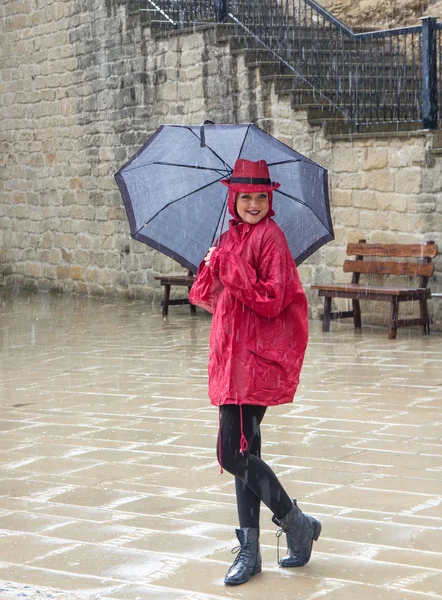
(258, 339)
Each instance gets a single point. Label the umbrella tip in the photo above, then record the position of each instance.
(202, 133)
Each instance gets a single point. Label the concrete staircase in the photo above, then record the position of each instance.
(302, 96)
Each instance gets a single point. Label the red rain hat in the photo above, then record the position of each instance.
(249, 176)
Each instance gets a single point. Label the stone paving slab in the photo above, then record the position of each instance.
(109, 485)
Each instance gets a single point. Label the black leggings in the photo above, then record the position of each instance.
(254, 479)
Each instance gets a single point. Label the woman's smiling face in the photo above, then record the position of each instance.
(252, 207)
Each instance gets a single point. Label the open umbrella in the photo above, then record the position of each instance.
(175, 203)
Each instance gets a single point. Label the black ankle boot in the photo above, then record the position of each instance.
(248, 561)
(301, 530)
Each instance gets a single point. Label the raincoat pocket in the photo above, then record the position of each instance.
(268, 377)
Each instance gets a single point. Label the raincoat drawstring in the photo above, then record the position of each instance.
(243, 443)
(220, 443)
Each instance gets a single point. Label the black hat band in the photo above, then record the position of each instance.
(251, 180)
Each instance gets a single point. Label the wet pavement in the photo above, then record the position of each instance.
(109, 486)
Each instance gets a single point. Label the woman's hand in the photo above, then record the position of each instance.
(208, 255)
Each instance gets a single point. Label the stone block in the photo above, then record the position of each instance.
(92, 275)
(55, 256)
(340, 233)
(76, 183)
(106, 228)
(18, 197)
(101, 213)
(49, 272)
(68, 198)
(303, 144)
(422, 203)
(76, 272)
(381, 180)
(346, 159)
(106, 277)
(392, 201)
(47, 239)
(33, 270)
(85, 241)
(366, 199)
(428, 223)
(341, 198)
(402, 222)
(408, 181)
(432, 180)
(372, 220)
(404, 155)
(347, 216)
(81, 257)
(376, 158)
(305, 273)
(350, 181)
(63, 272)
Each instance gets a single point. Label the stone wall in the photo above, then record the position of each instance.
(383, 14)
(83, 84)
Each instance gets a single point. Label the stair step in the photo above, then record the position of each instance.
(293, 81)
(326, 70)
(254, 53)
(336, 129)
(306, 44)
(326, 113)
(285, 84)
(382, 110)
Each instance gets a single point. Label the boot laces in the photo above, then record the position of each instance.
(240, 551)
(279, 533)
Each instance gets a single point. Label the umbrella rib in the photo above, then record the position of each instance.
(228, 167)
(223, 215)
(219, 171)
(176, 200)
(304, 204)
(244, 141)
(285, 162)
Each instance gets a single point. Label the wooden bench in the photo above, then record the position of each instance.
(181, 280)
(356, 291)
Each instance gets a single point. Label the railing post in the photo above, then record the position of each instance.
(221, 11)
(429, 73)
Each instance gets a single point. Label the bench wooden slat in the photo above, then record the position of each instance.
(398, 250)
(371, 267)
(184, 280)
(369, 290)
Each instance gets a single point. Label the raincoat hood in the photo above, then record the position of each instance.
(249, 176)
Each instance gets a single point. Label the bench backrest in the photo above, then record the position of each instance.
(423, 269)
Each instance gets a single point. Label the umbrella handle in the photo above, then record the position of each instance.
(202, 134)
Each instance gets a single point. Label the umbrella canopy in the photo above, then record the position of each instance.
(175, 202)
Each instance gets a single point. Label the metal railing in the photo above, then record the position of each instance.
(371, 77)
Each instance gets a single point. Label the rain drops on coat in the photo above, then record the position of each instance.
(260, 328)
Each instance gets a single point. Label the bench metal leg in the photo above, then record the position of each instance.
(357, 314)
(424, 315)
(166, 300)
(327, 314)
(394, 312)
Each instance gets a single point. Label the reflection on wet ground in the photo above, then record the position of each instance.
(109, 484)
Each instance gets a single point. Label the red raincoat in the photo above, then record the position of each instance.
(259, 328)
